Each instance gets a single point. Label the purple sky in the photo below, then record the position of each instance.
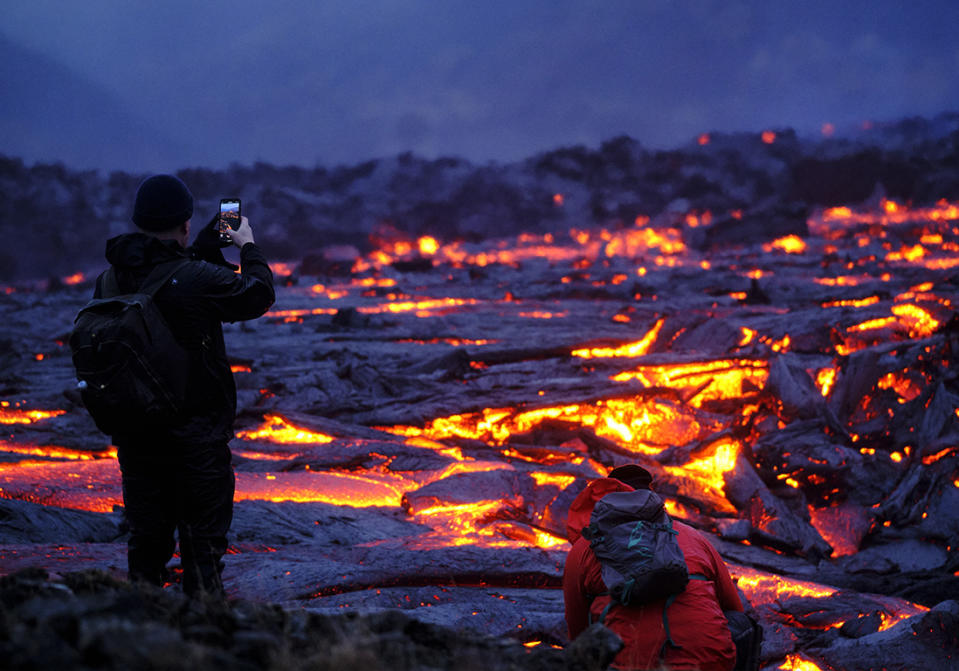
(150, 86)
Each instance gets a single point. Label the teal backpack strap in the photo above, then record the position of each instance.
(589, 613)
(669, 642)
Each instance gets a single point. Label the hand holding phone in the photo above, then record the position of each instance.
(229, 217)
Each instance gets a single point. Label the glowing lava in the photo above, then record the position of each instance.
(710, 380)
(10, 415)
(278, 429)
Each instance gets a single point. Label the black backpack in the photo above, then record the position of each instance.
(131, 371)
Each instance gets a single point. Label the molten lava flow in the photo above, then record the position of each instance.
(10, 415)
(835, 526)
(892, 213)
(763, 588)
(639, 425)
(92, 485)
(639, 240)
(560, 480)
(721, 379)
(57, 452)
(277, 429)
(423, 306)
(453, 524)
(766, 588)
(345, 489)
(462, 523)
(638, 348)
(872, 324)
(852, 303)
(455, 342)
(708, 469)
(919, 322)
(798, 663)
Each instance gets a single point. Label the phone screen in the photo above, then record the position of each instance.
(229, 216)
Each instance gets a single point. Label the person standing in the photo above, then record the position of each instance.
(178, 478)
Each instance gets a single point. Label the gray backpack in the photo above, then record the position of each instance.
(633, 538)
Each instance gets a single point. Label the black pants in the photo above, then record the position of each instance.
(184, 488)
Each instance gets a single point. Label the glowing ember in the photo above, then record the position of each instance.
(904, 386)
(825, 379)
(427, 245)
(791, 244)
(277, 429)
(75, 278)
(768, 136)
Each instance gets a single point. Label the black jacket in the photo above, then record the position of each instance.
(195, 302)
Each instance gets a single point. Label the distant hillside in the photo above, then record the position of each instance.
(60, 217)
(43, 101)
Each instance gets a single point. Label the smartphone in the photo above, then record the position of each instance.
(229, 216)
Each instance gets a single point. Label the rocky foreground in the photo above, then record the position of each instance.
(88, 620)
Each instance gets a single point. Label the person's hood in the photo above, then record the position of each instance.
(582, 507)
(135, 250)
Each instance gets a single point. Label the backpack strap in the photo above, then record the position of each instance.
(108, 283)
(157, 277)
(160, 274)
(669, 642)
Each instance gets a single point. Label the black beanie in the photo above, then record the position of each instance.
(633, 475)
(163, 202)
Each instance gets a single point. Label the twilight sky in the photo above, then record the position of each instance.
(151, 86)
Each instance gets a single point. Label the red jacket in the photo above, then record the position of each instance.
(696, 619)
